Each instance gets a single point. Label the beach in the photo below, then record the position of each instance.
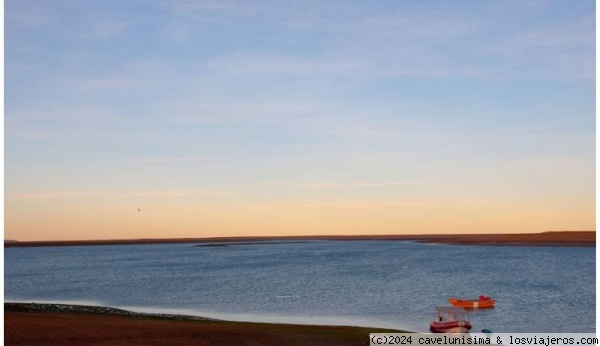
(554, 238)
(56, 324)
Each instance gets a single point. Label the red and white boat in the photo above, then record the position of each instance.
(450, 319)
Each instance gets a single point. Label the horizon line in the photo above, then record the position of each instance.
(396, 236)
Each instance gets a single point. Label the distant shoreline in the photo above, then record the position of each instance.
(60, 324)
(554, 238)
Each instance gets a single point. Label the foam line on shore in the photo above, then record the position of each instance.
(272, 318)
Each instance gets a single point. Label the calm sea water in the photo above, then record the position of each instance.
(371, 283)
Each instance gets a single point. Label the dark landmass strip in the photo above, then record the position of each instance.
(554, 238)
(251, 243)
(58, 324)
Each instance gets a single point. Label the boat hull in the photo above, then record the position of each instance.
(450, 327)
(473, 304)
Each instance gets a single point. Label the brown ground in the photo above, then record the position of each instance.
(72, 328)
(563, 238)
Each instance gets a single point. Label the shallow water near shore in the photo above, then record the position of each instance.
(388, 284)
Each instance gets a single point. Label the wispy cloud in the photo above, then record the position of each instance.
(137, 76)
(105, 28)
(284, 65)
(37, 123)
(423, 41)
(105, 83)
(186, 16)
(24, 15)
(202, 10)
(351, 205)
(432, 42)
(356, 184)
(181, 159)
(69, 115)
(61, 195)
(329, 185)
(562, 50)
(198, 112)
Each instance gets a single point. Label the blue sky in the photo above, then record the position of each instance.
(326, 110)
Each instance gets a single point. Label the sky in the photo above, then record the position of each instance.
(236, 118)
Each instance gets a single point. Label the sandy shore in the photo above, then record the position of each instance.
(563, 238)
(56, 324)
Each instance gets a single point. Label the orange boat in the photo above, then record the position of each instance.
(482, 302)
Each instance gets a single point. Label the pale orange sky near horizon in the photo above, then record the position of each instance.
(85, 220)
